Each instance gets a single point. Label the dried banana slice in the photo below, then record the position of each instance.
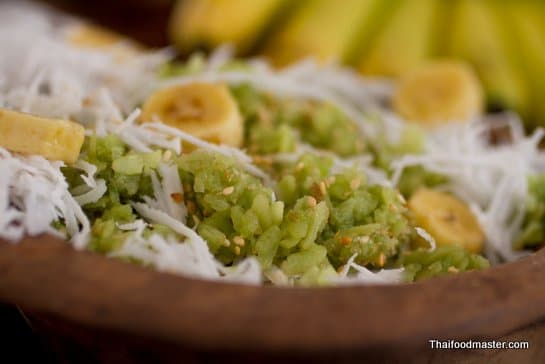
(206, 110)
(53, 139)
(447, 219)
(440, 92)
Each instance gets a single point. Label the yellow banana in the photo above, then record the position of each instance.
(447, 219)
(206, 110)
(404, 42)
(215, 22)
(438, 92)
(327, 30)
(476, 37)
(92, 36)
(53, 139)
(523, 23)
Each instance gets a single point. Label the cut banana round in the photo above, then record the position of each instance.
(447, 219)
(205, 110)
(92, 36)
(53, 139)
(440, 92)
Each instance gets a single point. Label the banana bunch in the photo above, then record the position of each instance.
(477, 36)
(502, 40)
(324, 29)
(210, 23)
(405, 42)
(205, 110)
(448, 219)
(53, 139)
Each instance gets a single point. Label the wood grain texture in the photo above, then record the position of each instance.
(46, 275)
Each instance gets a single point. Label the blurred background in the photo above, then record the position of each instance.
(503, 39)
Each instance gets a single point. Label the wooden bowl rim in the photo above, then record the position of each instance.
(47, 275)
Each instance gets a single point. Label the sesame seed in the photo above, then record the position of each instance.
(452, 269)
(237, 250)
(238, 240)
(226, 242)
(323, 190)
(311, 201)
(228, 190)
(381, 259)
(355, 183)
(299, 166)
(167, 155)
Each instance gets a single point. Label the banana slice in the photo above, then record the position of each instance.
(205, 110)
(53, 139)
(92, 36)
(447, 219)
(439, 92)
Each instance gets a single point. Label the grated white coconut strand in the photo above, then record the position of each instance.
(165, 190)
(94, 194)
(365, 276)
(190, 257)
(53, 78)
(492, 179)
(33, 195)
(427, 237)
(247, 271)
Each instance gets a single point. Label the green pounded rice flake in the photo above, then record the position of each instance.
(214, 237)
(302, 261)
(245, 222)
(320, 275)
(151, 160)
(270, 140)
(303, 223)
(106, 237)
(421, 264)
(274, 124)
(533, 227)
(131, 164)
(411, 141)
(121, 213)
(416, 177)
(371, 222)
(266, 246)
(303, 178)
(318, 220)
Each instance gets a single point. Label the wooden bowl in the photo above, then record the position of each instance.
(45, 276)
